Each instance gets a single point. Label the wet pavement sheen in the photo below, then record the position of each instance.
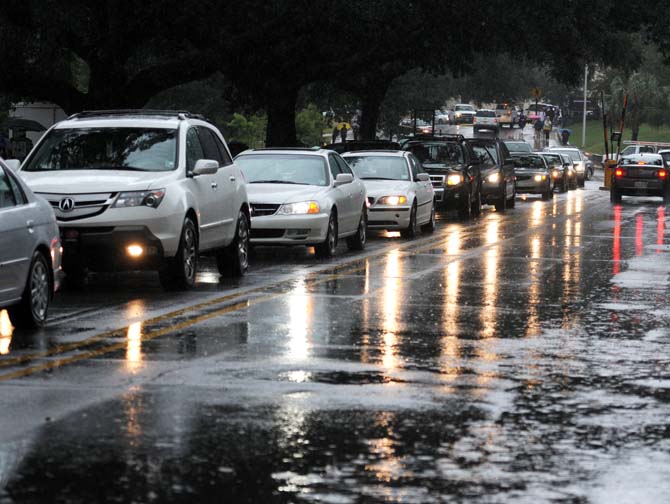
(516, 358)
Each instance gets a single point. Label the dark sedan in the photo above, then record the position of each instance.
(640, 175)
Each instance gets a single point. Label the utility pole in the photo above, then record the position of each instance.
(586, 77)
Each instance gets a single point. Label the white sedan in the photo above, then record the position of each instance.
(304, 197)
(400, 194)
(30, 252)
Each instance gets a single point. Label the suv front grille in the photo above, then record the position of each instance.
(437, 180)
(263, 209)
(85, 205)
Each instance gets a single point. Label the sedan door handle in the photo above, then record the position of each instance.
(232, 178)
(214, 185)
(30, 224)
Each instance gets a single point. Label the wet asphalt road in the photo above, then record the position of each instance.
(520, 357)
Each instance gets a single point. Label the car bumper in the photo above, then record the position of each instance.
(464, 119)
(532, 186)
(106, 248)
(480, 126)
(389, 218)
(490, 192)
(448, 196)
(289, 229)
(641, 187)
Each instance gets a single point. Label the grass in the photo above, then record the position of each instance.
(594, 135)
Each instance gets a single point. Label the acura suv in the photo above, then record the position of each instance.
(142, 189)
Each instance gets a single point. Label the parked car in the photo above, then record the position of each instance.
(30, 257)
(572, 173)
(400, 195)
(304, 197)
(359, 145)
(454, 172)
(560, 173)
(485, 120)
(637, 148)
(142, 189)
(665, 154)
(464, 113)
(640, 175)
(578, 160)
(497, 172)
(533, 175)
(518, 146)
(507, 114)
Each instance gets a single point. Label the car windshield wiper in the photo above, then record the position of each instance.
(277, 182)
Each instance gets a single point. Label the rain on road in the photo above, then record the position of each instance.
(519, 357)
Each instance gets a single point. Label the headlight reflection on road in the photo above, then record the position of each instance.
(450, 344)
(6, 331)
(491, 260)
(391, 304)
(535, 273)
(134, 347)
(387, 465)
(300, 320)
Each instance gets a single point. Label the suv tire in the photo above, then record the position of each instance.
(233, 260)
(501, 204)
(31, 312)
(465, 209)
(178, 272)
(511, 203)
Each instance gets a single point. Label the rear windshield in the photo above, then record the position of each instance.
(518, 147)
(136, 149)
(437, 155)
(379, 167)
(464, 107)
(553, 158)
(486, 113)
(574, 154)
(528, 162)
(283, 169)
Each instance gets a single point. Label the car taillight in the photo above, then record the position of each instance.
(474, 120)
(619, 172)
(662, 174)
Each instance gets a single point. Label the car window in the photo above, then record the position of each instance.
(7, 198)
(485, 113)
(224, 155)
(284, 168)
(628, 150)
(194, 150)
(342, 164)
(483, 154)
(646, 148)
(210, 150)
(19, 195)
(437, 154)
(334, 167)
(414, 163)
(379, 167)
(414, 167)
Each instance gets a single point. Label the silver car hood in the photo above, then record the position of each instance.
(284, 193)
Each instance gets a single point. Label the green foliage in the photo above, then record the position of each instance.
(594, 135)
(249, 130)
(309, 126)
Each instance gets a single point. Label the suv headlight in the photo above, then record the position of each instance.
(303, 207)
(129, 199)
(494, 178)
(392, 200)
(454, 179)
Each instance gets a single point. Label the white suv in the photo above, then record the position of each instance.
(140, 189)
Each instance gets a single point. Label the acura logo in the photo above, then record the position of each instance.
(66, 204)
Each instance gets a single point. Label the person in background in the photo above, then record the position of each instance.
(20, 144)
(546, 127)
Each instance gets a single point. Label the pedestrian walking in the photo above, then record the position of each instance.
(537, 126)
(546, 127)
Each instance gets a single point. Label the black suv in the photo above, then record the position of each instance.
(454, 171)
(497, 172)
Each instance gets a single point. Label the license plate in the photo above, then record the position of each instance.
(640, 185)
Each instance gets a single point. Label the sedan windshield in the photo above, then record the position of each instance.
(535, 162)
(574, 154)
(136, 149)
(379, 167)
(283, 169)
(437, 155)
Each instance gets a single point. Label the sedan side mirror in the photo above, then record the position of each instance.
(343, 178)
(14, 164)
(423, 177)
(205, 167)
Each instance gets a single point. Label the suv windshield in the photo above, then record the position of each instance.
(464, 107)
(137, 149)
(437, 155)
(379, 167)
(518, 147)
(283, 169)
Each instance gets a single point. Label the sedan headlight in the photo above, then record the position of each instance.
(392, 200)
(579, 166)
(301, 208)
(540, 178)
(555, 174)
(454, 179)
(139, 198)
(494, 178)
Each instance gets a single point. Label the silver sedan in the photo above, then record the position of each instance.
(30, 252)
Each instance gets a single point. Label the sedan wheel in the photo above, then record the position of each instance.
(430, 226)
(357, 241)
(412, 229)
(32, 311)
(329, 246)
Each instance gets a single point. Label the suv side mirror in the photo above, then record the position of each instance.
(422, 177)
(343, 178)
(13, 164)
(205, 167)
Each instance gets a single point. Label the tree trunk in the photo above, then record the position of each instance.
(635, 132)
(371, 102)
(281, 119)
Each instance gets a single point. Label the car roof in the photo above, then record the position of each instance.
(288, 150)
(388, 153)
(642, 156)
(485, 110)
(118, 122)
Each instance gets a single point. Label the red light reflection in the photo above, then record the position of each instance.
(616, 246)
(639, 228)
(660, 227)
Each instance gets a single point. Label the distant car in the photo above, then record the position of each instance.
(560, 173)
(632, 149)
(578, 160)
(496, 169)
(533, 175)
(454, 172)
(30, 257)
(640, 175)
(518, 146)
(360, 145)
(572, 173)
(665, 154)
(443, 117)
(304, 197)
(507, 114)
(464, 113)
(485, 120)
(400, 195)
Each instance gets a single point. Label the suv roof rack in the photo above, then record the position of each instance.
(180, 114)
(309, 149)
(454, 137)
